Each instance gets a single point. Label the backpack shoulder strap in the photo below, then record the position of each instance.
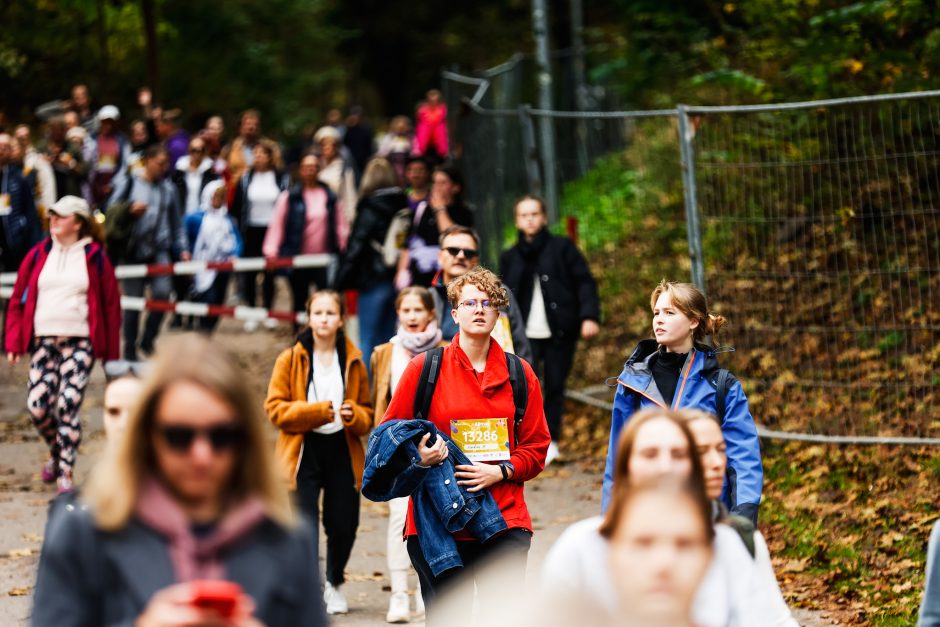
(721, 391)
(520, 390)
(427, 382)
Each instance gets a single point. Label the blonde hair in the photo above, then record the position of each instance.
(115, 482)
(690, 300)
(336, 296)
(379, 174)
(482, 278)
(423, 294)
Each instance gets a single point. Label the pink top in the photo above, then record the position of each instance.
(314, 240)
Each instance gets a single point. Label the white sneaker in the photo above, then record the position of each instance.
(553, 453)
(335, 600)
(398, 610)
(251, 326)
(270, 324)
(419, 603)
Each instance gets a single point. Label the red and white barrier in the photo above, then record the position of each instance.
(188, 268)
(188, 308)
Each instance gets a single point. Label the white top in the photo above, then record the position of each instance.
(262, 194)
(342, 180)
(536, 327)
(400, 359)
(327, 385)
(62, 293)
(732, 593)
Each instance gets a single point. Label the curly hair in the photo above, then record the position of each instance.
(484, 279)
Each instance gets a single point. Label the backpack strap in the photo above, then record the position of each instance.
(427, 382)
(721, 391)
(520, 391)
(432, 368)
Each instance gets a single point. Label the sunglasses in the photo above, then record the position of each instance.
(222, 438)
(117, 368)
(196, 150)
(469, 253)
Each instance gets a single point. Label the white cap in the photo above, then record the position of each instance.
(109, 112)
(71, 205)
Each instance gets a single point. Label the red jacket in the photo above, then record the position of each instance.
(460, 394)
(104, 302)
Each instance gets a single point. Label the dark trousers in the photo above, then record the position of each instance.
(326, 466)
(161, 286)
(300, 281)
(510, 549)
(254, 238)
(215, 295)
(552, 360)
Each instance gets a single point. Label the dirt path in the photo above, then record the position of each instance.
(562, 495)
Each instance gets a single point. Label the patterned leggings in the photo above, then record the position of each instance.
(58, 374)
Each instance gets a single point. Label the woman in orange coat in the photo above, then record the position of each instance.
(322, 410)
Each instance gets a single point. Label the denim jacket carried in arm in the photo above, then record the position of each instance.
(441, 507)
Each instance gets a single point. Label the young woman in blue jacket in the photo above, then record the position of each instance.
(679, 369)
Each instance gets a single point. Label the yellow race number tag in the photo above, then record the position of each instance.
(482, 439)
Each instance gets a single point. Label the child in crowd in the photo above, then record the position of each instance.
(318, 399)
(417, 333)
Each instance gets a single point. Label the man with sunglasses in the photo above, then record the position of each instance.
(460, 253)
(559, 302)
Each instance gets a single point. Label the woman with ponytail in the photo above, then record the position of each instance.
(679, 369)
(417, 332)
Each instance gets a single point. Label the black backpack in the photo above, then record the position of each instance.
(432, 368)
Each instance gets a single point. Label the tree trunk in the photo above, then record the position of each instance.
(148, 13)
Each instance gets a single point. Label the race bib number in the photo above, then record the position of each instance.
(483, 439)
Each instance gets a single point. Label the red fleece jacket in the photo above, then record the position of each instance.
(104, 302)
(461, 394)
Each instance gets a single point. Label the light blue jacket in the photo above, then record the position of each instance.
(636, 389)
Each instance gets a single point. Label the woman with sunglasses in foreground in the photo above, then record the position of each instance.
(188, 500)
(66, 311)
(474, 397)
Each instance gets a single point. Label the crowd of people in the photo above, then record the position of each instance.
(447, 403)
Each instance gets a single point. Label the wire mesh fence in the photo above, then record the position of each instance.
(815, 228)
(821, 228)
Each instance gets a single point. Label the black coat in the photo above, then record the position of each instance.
(362, 266)
(179, 179)
(568, 288)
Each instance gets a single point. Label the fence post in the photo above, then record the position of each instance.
(694, 229)
(530, 150)
(546, 131)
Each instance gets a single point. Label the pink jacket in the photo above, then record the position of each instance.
(104, 302)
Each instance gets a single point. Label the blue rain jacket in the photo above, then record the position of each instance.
(636, 389)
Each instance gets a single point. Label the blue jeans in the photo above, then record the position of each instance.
(376, 318)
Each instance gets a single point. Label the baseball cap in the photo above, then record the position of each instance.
(71, 205)
(109, 112)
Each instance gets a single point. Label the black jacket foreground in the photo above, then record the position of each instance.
(568, 289)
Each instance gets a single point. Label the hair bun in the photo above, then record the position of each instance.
(714, 324)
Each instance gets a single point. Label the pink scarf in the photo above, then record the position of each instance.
(416, 343)
(195, 558)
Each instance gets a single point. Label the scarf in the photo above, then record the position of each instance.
(216, 239)
(195, 558)
(530, 252)
(416, 343)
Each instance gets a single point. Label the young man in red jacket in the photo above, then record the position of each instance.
(474, 392)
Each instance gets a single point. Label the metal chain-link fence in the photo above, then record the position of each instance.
(814, 226)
